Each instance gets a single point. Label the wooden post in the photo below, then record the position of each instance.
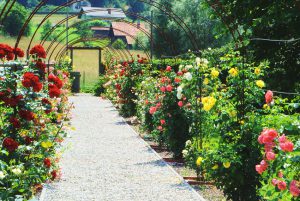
(101, 70)
(72, 57)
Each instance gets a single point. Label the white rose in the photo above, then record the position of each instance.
(188, 76)
(16, 171)
(198, 60)
(2, 175)
(188, 67)
(184, 152)
(179, 95)
(188, 143)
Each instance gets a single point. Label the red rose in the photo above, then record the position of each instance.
(39, 51)
(2, 54)
(15, 122)
(19, 52)
(28, 140)
(180, 103)
(55, 80)
(40, 65)
(54, 174)
(31, 80)
(47, 162)
(54, 91)
(10, 144)
(26, 114)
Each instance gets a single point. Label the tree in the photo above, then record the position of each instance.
(119, 44)
(277, 20)
(46, 27)
(15, 20)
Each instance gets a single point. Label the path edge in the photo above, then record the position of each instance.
(44, 191)
(159, 157)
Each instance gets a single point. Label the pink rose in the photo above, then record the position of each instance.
(160, 128)
(294, 189)
(280, 174)
(169, 68)
(274, 182)
(288, 146)
(180, 103)
(282, 139)
(169, 88)
(270, 156)
(269, 97)
(163, 89)
(281, 185)
(162, 121)
(152, 110)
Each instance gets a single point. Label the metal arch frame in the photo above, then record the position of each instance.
(161, 32)
(4, 8)
(232, 30)
(62, 32)
(63, 50)
(126, 49)
(58, 57)
(64, 47)
(151, 3)
(100, 38)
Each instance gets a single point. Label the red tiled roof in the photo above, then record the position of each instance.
(128, 30)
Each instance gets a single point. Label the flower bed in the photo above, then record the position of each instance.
(211, 111)
(34, 110)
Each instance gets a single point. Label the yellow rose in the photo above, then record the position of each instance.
(266, 106)
(257, 71)
(208, 103)
(206, 81)
(214, 73)
(227, 164)
(260, 83)
(233, 72)
(216, 166)
(242, 122)
(47, 144)
(199, 161)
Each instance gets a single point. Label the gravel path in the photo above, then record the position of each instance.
(107, 161)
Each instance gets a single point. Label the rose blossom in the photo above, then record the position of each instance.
(180, 103)
(169, 88)
(274, 182)
(152, 110)
(281, 185)
(270, 156)
(287, 146)
(294, 189)
(169, 68)
(269, 97)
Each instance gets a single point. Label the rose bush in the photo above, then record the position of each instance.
(34, 109)
(211, 110)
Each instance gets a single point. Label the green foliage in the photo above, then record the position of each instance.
(99, 88)
(269, 20)
(46, 27)
(119, 44)
(15, 20)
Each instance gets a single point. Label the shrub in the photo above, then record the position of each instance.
(33, 114)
